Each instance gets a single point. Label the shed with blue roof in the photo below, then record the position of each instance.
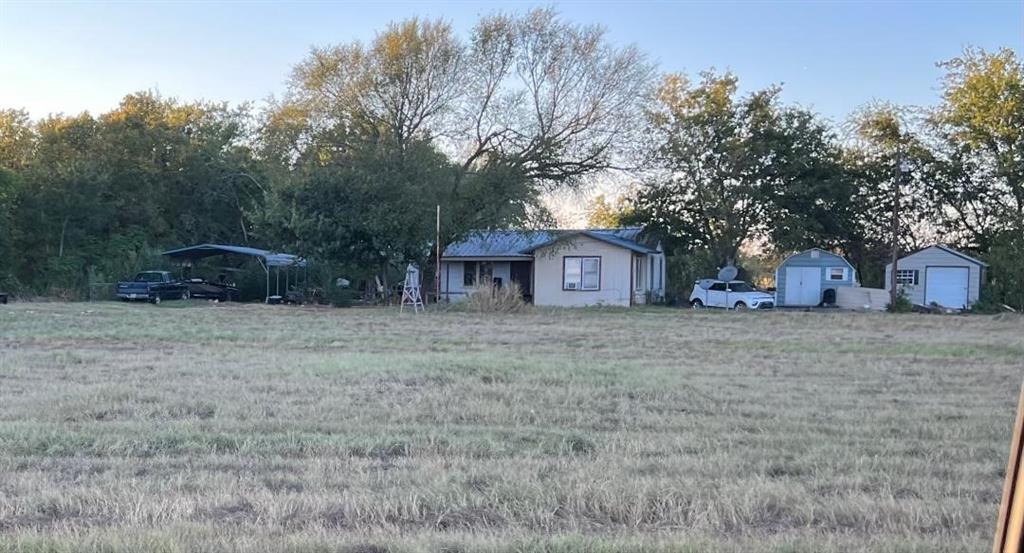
(811, 278)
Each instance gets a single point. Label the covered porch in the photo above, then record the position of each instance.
(462, 276)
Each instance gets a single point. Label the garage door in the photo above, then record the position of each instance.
(803, 285)
(946, 286)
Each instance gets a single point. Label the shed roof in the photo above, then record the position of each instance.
(948, 250)
(272, 259)
(522, 243)
(808, 251)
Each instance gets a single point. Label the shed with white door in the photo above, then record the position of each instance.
(939, 275)
(811, 278)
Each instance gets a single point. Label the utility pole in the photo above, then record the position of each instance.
(893, 294)
(437, 265)
(901, 170)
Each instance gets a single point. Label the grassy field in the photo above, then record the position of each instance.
(255, 428)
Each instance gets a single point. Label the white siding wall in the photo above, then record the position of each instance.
(616, 267)
(934, 257)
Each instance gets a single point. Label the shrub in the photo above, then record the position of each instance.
(987, 304)
(491, 299)
(903, 304)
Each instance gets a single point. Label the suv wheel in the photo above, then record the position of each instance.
(740, 306)
(697, 304)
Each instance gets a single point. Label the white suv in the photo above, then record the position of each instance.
(734, 294)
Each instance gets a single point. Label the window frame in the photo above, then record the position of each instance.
(582, 260)
(842, 274)
(913, 274)
(471, 280)
(480, 266)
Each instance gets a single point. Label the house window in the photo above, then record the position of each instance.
(581, 273)
(474, 272)
(486, 273)
(837, 273)
(906, 276)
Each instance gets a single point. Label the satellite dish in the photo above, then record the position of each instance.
(727, 273)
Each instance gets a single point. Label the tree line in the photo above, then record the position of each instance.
(348, 165)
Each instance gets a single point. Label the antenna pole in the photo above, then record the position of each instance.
(437, 265)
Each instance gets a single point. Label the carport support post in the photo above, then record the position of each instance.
(266, 270)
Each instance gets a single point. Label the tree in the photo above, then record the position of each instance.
(96, 193)
(605, 214)
(17, 139)
(526, 104)
(884, 137)
(731, 166)
(980, 142)
(9, 190)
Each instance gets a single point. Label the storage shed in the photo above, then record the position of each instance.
(805, 278)
(939, 275)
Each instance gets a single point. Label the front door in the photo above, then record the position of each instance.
(520, 272)
(803, 285)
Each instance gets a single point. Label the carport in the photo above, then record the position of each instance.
(267, 259)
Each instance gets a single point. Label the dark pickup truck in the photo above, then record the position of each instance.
(152, 286)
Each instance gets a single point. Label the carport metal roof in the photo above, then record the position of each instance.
(269, 258)
(266, 258)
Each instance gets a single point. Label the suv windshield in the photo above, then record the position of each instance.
(740, 287)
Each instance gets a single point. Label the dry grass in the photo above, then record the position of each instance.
(490, 299)
(255, 428)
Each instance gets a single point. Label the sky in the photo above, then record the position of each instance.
(829, 56)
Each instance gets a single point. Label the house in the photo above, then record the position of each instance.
(939, 275)
(805, 278)
(558, 267)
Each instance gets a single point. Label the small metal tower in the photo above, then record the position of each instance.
(411, 290)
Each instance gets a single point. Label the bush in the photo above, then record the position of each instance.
(987, 304)
(903, 304)
(491, 299)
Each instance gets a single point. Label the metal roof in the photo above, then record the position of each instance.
(272, 259)
(522, 243)
(946, 249)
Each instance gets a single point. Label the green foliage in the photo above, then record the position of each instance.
(980, 127)
(1006, 272)
(97, 196)
(732, 166)
(902, 305)
(682, 270)
(605, 214)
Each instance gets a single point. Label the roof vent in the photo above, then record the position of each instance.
(815, 254)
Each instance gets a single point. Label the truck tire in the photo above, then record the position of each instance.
(185, 295)
(155, 299)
